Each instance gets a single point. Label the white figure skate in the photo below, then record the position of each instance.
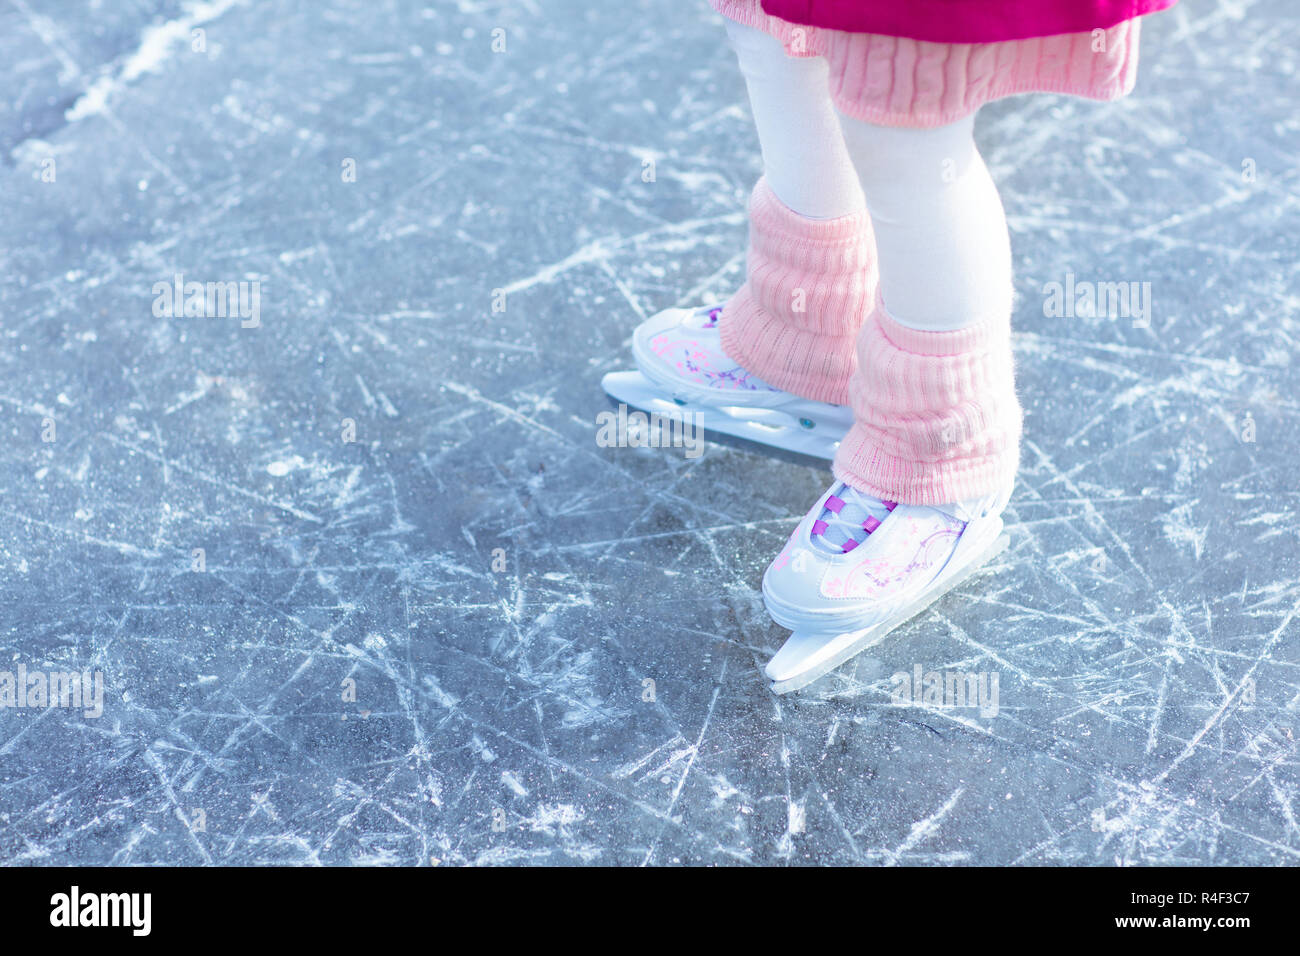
(857, 567)
(681, 368)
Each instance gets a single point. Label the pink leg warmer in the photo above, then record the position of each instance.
(936, 415)
(810, 286)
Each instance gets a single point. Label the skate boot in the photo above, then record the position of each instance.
(681, 368)
(857, 567)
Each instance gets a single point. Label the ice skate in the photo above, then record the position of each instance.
(857, 567)
(681, 368)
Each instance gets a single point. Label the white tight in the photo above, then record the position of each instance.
(941, 236)
(804, 156)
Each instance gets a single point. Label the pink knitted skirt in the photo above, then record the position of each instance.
(897, 81)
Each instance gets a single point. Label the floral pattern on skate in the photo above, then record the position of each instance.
(923, 551)
(701, 360)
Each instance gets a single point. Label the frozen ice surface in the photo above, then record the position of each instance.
(1143, 625)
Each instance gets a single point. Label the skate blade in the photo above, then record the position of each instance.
(766, 426)
(853, 643)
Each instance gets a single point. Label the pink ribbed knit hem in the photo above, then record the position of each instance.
(936, 415)
(896, 81)
(809, 286)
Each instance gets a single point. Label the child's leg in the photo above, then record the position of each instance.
(805, 161)
(945, 255)
(936, 422)
(811, 269)
(936, 417)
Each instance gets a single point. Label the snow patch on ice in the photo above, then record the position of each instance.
(156, 45)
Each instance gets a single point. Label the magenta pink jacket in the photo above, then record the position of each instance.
(962, 21)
